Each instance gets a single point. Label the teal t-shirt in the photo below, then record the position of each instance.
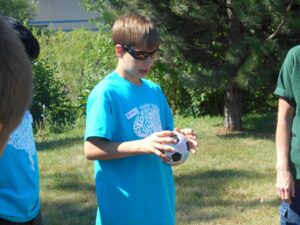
(288, 87)
(138, 189)
(19, 175)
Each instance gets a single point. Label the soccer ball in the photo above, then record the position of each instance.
(182, 150)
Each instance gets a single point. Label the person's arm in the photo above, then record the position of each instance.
(284, 181)
(100, 149)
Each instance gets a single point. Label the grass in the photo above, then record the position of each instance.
(229, 181)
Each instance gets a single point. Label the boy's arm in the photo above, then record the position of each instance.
(284, 181)
(97, 148)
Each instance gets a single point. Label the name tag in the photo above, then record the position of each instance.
(132, 113)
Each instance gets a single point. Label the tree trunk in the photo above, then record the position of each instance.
(233, 95)
(233, 109)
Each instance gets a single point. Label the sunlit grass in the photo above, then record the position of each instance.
(231, 178)
(67, 186)
(229, 181)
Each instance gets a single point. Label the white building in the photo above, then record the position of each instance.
(62, 14)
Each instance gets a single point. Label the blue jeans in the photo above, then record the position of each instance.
(290, 213)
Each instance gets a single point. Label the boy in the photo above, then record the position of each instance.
(15, 82)
(128, 125)
(288, 138)
(19, 176)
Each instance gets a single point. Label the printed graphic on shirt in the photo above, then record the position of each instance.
(22, 138)
(147, 120)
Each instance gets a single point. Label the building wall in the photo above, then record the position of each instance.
(62, 14)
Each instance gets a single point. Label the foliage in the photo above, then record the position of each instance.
(69, 66)
(51, 105)
(78, 59)
(76, 55)
(224, 44)
(20, 9)
(200, 33)
(199, 57)
(259, 102)
(172, 84)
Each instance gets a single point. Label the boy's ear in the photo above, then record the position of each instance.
(119, 50)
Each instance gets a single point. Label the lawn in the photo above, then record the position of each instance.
(229, 181)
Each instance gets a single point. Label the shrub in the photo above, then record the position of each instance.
(51, 104)
(79, 59)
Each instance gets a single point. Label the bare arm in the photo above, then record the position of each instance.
(284, 181)
(100, 149)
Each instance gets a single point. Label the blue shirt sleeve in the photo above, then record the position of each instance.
(98, 116)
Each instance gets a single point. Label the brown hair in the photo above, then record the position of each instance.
(15, 81)
(135, 30)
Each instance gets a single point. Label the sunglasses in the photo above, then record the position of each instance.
(139, 55)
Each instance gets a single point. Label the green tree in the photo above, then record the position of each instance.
(20, 9)
(231, 45)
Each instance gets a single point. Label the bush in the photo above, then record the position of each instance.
(70, 64)
(79, 59)
(51, 104)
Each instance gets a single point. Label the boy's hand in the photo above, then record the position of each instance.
(188, 132)
(156, 143)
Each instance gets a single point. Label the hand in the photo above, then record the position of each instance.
(188, 132)
(285, 185)
(157, 143)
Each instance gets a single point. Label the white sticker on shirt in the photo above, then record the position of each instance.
(22, 138)
(132, 113)
(147, 120)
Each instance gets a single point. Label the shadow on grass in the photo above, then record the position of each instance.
(205, 197)
(202, 197)
(256, 126)
(71, 202)
(59, 143)
(68, 213)
(68, 182)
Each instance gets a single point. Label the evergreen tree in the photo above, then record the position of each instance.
(235, 46)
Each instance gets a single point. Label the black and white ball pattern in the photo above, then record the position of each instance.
(182, 150)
